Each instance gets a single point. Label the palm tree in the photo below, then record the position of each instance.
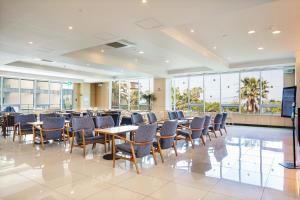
(250, 91)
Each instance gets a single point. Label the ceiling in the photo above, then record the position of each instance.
(67, 39)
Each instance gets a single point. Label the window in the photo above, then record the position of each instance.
(67, 96)
(145, 90)
(11, 92)
(115, 95)
(42, 94)
(124, 95)
(212, 93)
(272, 84)
(196, 94)
(181, 93)
(27, 92)
(250, 92)
(230, 92)
(134, 95)
(55, 95)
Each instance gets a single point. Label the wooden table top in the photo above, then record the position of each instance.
(39, 123)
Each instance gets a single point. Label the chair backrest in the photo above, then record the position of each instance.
(83, 123)
(46, 115)
(168, 129)
(137, 119)
(145, 133)
(172, 115)
(53, 123)
(206, 124)
(217, 121)
(104, 121)
(197, 123)
(75, 114)
(24, 119)
(115, 115)
(224, 117)
(180, 115)
(151, 117)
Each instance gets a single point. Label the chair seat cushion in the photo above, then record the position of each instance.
(98, 138)
(184, 132)
(125, 148)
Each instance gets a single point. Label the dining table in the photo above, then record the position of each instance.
(113, 131)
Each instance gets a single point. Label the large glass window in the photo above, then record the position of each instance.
(250, 92)
(196, 94)
(145, 90)
(181, 93)
(67, 96)
(272, 84)
(124, 95)
(230, 92)
(27, 92)
(212, 93)
(55, 95)
(11, 92)
(115, 95)
(42, 94)
(134, 95)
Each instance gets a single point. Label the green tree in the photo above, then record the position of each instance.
(250, 91)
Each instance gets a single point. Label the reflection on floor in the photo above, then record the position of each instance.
(241, 165)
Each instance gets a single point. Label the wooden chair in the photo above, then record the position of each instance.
(21, 126)
(216, 126)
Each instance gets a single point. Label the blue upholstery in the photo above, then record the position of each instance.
(83, 123)
(137, 119)
(180, 115)
(217, 122)
(151, 117)
(172, 115)
(23, 120)
(104, 121)
(115, 115)
(223, 124)
(197, 123)
(168, 129)
(53, 123)
(206, 124)
(144, 133)
(43, 116)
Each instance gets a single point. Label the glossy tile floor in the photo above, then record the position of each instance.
(241, 165)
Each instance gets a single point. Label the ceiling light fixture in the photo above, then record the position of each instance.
(276, 32)
(30, 42)
(260, 48)
(214, 47)
(144, 1)
(167, 61)
(70, 27)
(141, 52)
(192, 31)
(102, 50)
(251, 32)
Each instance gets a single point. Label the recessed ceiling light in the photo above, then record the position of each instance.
(192, 30)
(30, 42)
(167, 61)
(260, 48)
(276, 32)
(251, 32)
(214, 47)
(37, 59)
(144, 1)
(141, 52)
(70, 27)
(102, 50)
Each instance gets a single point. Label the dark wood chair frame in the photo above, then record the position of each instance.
(159, 149)
(189, 138)
(42, 131)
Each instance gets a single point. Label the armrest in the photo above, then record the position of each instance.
(122, 138)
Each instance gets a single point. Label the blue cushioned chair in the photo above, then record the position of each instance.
(45, 115)
(206, 125)
(192, 132)
(153, 119)
(83, 133)
(180, 116)
(172, 115)
(216, 126)
(52, 129)
(166, 137)
(137, 119)
(21, 126)
(223, 124)
(104, 122)
(141, 146)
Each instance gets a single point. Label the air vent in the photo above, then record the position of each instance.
(120, 44)
(45, 60)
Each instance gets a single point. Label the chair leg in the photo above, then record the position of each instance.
(203, 140)
(113, 151)
(72, 144)
(15, 130)
(154, 156)
(209, 136)
(84, 150)
(134, 160)
(42, 141)
(191, 140)
(225, 130)
(94, 145)
(20, 135)
(33, 138)
(175, 148)
(215, 133)
(160, 153)
(221, 132)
